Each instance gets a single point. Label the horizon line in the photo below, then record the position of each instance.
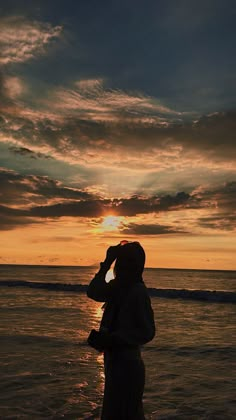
(95, 265)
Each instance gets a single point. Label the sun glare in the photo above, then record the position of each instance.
(111, 223)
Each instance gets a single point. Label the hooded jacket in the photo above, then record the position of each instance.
(128, 320)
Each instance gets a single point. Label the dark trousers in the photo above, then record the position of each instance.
(123, 392)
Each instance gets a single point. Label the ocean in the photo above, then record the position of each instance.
(49, 372)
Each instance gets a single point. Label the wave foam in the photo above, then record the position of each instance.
(202, 295)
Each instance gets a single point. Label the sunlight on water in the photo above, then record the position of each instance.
(99, 311)
(101, 369)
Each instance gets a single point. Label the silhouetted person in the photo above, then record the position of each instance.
(127, 323)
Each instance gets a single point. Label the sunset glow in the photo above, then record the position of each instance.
(98, 144)
(111, 223)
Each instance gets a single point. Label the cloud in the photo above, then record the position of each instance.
(84, 208)
(221, 203)
(26, 199)
(90, 99)
(22, 40)
(92, 125)
(23, 151)
(120, 207)
(221, 198)
(90, 86)
(14, 87)
(138, 205)
(220, 221)
(28, 190)
(32, 197)
(14, 218)
(150, 229)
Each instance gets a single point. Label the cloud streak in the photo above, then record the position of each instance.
(91, 99)
(92, 124)
(22, 40)
(151, 229)
(23, 151)
(26, 191)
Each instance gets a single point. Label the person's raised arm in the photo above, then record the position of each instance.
(99, 289)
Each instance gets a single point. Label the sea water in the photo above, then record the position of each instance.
(49, 372)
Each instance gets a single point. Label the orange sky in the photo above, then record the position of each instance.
(68, 242)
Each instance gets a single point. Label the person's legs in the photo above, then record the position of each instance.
(124, 386)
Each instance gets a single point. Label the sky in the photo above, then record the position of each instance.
(118, 121)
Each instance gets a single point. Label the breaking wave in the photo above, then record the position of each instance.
(202, 295)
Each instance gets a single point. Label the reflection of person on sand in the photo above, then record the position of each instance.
(127, 323)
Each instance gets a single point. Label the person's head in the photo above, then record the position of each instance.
(130, 261)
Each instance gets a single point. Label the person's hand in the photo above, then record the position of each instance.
(102, 340)
(96, 341)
